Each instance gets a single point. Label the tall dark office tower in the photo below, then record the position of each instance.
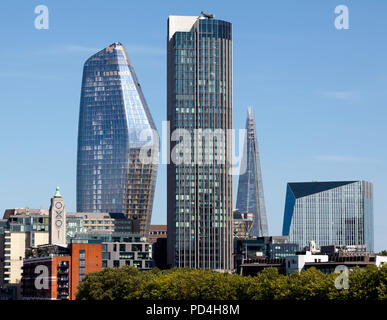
(113, 115)
(250, 197)
(199, 99)
(333, 212)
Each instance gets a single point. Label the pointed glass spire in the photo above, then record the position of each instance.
(250, 196)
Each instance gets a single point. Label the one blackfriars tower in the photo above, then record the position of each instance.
(199, 103)
(114, 125)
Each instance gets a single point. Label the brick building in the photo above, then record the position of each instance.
(53, 272)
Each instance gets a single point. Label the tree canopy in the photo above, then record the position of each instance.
(128, 283)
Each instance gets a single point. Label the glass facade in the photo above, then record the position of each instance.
(199, 98)
(113, 118)
(250, 197)
(329, 213)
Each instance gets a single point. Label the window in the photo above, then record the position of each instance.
(126, 255)
(82, 263)
(81, 254)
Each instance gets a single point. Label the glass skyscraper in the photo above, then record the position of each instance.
(114, 123)
(250, 197)
(329, 213)
(199, 99)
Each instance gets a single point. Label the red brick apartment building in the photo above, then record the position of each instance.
(54, 272)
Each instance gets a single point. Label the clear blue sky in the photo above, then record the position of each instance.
(319, 94)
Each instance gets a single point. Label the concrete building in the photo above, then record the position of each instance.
(97, 222)
(297, 262)
(325, 260)
(20, 229)
(119, 254)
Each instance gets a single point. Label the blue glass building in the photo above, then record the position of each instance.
(330, 213)
(250, 197)
(114, 124)
(199, 99)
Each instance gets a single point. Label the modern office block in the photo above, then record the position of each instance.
(199, 100)
(135, 254)
(114, 124)
(90, 223)
(250, 197)
(271, 247)
(329, 213)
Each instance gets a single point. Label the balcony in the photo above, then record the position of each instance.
(63, 278)
(63, 271)
(63, 294)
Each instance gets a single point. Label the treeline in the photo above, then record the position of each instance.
(129, 283)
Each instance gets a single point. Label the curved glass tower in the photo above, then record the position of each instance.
(114, 123)
(250, 197)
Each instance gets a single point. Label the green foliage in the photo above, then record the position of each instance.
(128, 283)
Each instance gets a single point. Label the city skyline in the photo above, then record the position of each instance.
(310, 130)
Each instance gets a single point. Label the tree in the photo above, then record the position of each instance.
(129, 283)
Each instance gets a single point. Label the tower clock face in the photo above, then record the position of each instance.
(58, 223)
(58, 205)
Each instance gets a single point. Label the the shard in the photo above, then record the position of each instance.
(250, 196)
(114, 124)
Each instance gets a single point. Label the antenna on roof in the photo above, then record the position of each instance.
(208, 15)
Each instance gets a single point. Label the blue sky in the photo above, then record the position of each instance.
(319, 93)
